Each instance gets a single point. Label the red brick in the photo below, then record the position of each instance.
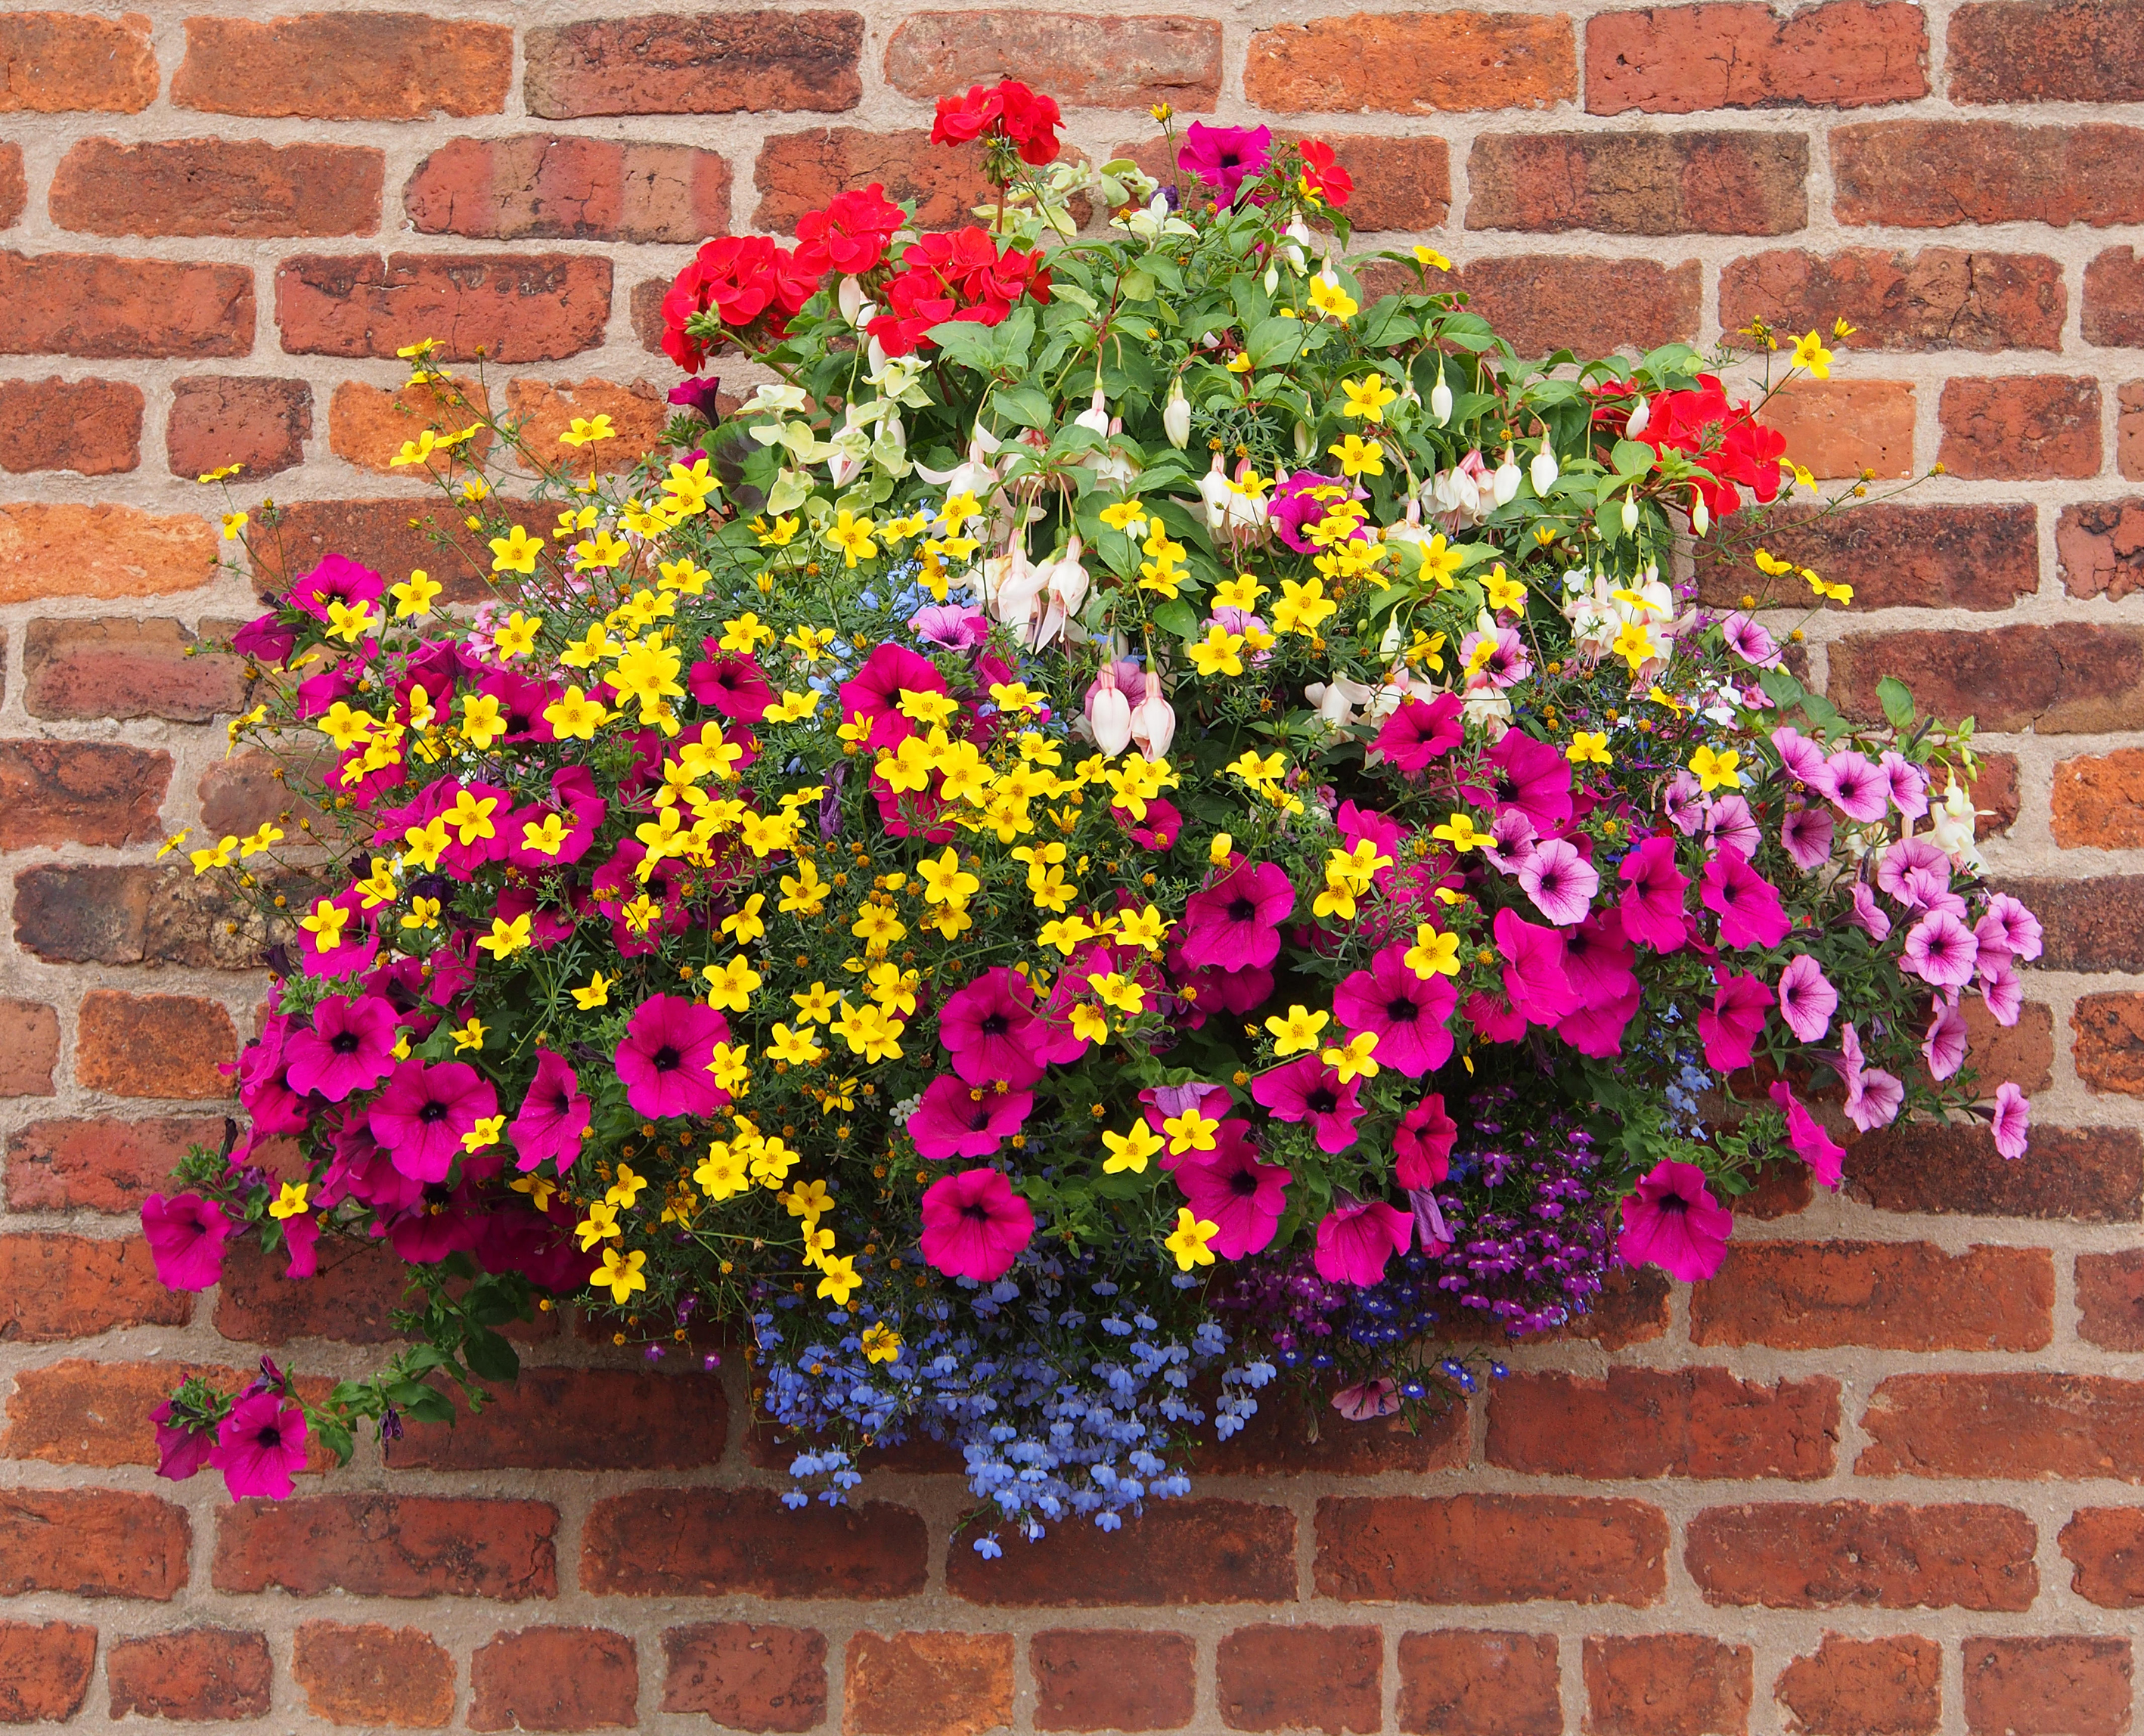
(237, 794)
(14, 190)
(507, 307)
(2110, 1294)
(125, 668)
(79, 792)
(351, 1300)
(2085, 1175)
(91, 1543)
(927, 1685)
(703, 1542)
(578, 1419)
(1301, 1677)
(1591, 305)
(75, 1287)
(546, 409)
(1926, 298)
(554, 1679)
(390, 536)
(2129, 430)
(546, 187)
(374, 1674)
(1179, 1552)
(1841, 428)
(1890, 1687)
(44, 1671)
(2033, 428)
(645, 309)
(1639, 183)
(98, 913)
(696, 63)
(1288, 1436)
(1643, 1422)
(389, 1546)
(1456, 1683)
(1666, 1684)
(2106, 1544)
(1893, 1295)
(1413, 63)
(1100, 1678)
(53, 61)
(1676, 60)
(1490, 1548)
(368, 425)
(2071, 1685)
(98, 305)
(79, 1412)
(350, 66)
(219, 419)
(1087, 60)
(1933, 174)
(153, 1045)
(67, 549)
(753, 1677)
(2113, 311)
(217, 187)
(800, 171)
(1895, 556)
(2068, 680)
(29, 1050)
(194, 1676)
(2025, 1424)
(2106, 1035)
(1632, 1308)
(92, 426)
(2023, 1053)
(2072, 51)
(2099, 548)
(1994, 795)
(1793, 1555)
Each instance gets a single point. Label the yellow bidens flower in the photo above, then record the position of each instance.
(1359, 457)
(881, 1343)
(1810, 352)
(290, 1202)
(1331, 300)
(852, 536)
(1716, 771)
(1367, 398)
(585, 430)
(1432, 953)
(621, 1277)
(1188, 1240)
(1130, 1151)
(516, 552)
(415, 595)
(1296, 1032)
(1589, 747)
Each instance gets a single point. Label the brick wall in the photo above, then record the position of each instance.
(1882, 1475)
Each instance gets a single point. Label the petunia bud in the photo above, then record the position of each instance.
(1176, 416)
(1641, 412)
(1544, 471)
(1439, 398)
(1506, 483)
(1629, 512)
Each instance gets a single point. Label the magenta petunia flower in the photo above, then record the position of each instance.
(989, 1027)
(1356, 1239)
(1855, 784)
(302, 1241)
(1672, 1221)
(1307, 1090)
(949, 625)
(1521, 772)
(1421, 731)
(180, 1451)
(1682, 800)
(874, 692)
(554, 1118)
(2008, 925)
(1729, 1027)
(2014, 1115)
(1504, 662)
(1231, 1189)
(421, 1116)
(1535, 980)
(1234, 923)
(1940, 950)
(663, 1060)
(186, 1236)
(1422, 1143)
(1944, 1047)
(337, 578)
(1803, 758)
(350, 1047)
(958, 1119)
(1728, 825)
(1412, 1018)
(1806, 998)
(1749, 641)
(732, 683)
(1560, 880)
(1813, 1145)
(1598, 962)
(1651, 905)
(1302, 498)
(1806, 834)
(259, 1446)
(974, 1225)
(1746, 903)
(1225, 157)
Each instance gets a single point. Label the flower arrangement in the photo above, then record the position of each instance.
(1155, 811)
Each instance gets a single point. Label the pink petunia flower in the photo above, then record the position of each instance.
(2001, 988)
(1306, 1089)
(956, 1120)
(1908, 785)
(1512, 840)
(1728, 825)
(1234, 923)
(1535, 980)
(1803, 758)
(1940, 949)
(186, 1236)
(1746, 903)
(663, 1060)
(1868, 916)
(1357, 1238)
(1729, 1027)
(1521, 772)
(989, 1027)
(974, 1225)
(302, 1241)
(1825, 1157)
(1412, 1018)
(1230, 1188)
(2014, 1115)
(1672, 1221)
(1874, 1099)
(874, 692)
(421, 1116)
(350, 1047)
(1422, 1143)
(1944, 1047)
(259, 1446)
(1902, 858)
(180, 1451)
(1806, 835)
(1598, 960)
(554, 1118)
(1651, 905)
(2008, 925)
(1682, 800)
(1749, 641)
(1855, 786)
(1806, 998)
(731, 683)
(1505, 663)
(1561, 881)
(1421, 731)
(1365, 1401)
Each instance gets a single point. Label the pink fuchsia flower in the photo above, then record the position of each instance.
(1651, 905)
(1806, 835)
(1521, 772)
(259, 1446)
(1815, 1147)
(1365, 1401)
(1908, 785)
(1749, 641)
(1561, 881)
(350, 1047)
(732, 684)
(2001, 987)
(1868, 916)
(1944, 1047)
(1806, 998)
(1421, 731)
(554, 1116)
(1229, 1187)
(1306, 1089)
(989, 1027)
(421, 1116)
(1728, 825)
(974, 1225)
(956, 1120)
(2008, 925)
(663, 1060)
(1535, 979)
(1940, 950)
(1503, 660)
(874, 692)
(1225, 157)
(1672, 1221)
(2013, 1115)
(1803, 758)
(1746, 903)
(1855, 786)
(1729, 1027)
(1412, 1018)
(1356, 1239)
(1234, 923)
(180, 1451)
(186, 1236)
(1422, 1143)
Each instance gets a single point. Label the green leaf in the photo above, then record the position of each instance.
(971, 345)
(1781, 688)
(1896, 699)
(1178, 617)
(1273, 342)
(1026, 405)
(491, 1357)
(1138, 286)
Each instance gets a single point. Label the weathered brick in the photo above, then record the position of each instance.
(1639, 183)
(754, 1676)
(91, 1543)
(391, 536)
(1993, 793)
(2067, 1685)
(347, 66)
(1289, 1436)
(79, 792)
(44, 1671)
(703, 1542)
(218, 419)
(98, 305)
(800, 171)
(389, 1546)
(2104, 1547)
(2023, 1053)
(2020, 1425)
(218, 187)
(2029, 429)
(578, 1419)
(99, 1165)
(1676, 60)
(1889, 1687)
(99, 913)
(1793, 1555)
(54, 62)
(2071, 51)
(646, 308)
(1592, 304)
(695, 63)
(2113, 308)
(1893, 1295)
(29, 1050)
(927, 1685)
(1461, 1683)
(351, 1300)
(236, 794)
(153, 1045)
(554, 1679)
(79, 1412)
(638, 413)
(1099, 1678)
(14, 189)
(2072, 679)
(1490, 1548)
(1666, 1684)
(1084, 60)
(195, 1675)
(374, 1674)
(65, 549)
(75, 1287)
(1205, 1551)
(2129, 430)
(2086, 1175)
(1413, 63)
(92, 426)
(127, 668)
(1841, 428)
(2110, 1295)
(2099, 548)
(1933, 174)
(1643, 1422)
(1894, 556)
(547, 187)
(507, 307)
(1925, 298)
(2087, 925)
(1301, 1677)
(2107, 1033)
(368, 425)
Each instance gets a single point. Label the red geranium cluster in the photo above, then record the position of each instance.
(957, 276)
(1009, 109)
(1727, 440)
(743, 280)
(851, 235)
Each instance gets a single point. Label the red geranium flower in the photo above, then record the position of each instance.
(1009, 109)
(1322, 176)
(851, 235)
(744, 280)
